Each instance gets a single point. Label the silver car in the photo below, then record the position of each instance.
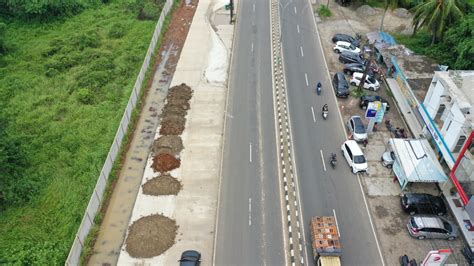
(357, 128)
(388, 158)
(421, 227)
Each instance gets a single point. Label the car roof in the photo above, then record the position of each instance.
(429, 221)
(371, 98)
(354, 147)
(343, 43)
(343, 35)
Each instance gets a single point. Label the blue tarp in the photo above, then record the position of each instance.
(387, 38)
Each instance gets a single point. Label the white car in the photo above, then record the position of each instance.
(354, 156)
(370, 82)
(357, 128)
(346, 46)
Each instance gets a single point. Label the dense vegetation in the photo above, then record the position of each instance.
(66, 73)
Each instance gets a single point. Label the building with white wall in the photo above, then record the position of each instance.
(447, 111)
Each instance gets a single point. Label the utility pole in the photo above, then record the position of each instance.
(231, 7)
(368, 63)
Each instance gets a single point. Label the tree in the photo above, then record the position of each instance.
(388, 3)
(437, 16)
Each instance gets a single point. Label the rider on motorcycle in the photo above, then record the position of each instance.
(325, 108)
(318, 88)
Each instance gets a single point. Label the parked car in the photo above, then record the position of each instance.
(354, 156)
(388, 158)
(341, 87)
(347, 47)
(353, 67)
(357, 128)
(422, 203)
(366, 99)
(422, 227)
(370, 82)
(347, 58)
(345, 38)
(190, 258)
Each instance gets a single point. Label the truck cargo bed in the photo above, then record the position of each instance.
(324, 236)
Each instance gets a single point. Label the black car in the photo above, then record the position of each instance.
(348, 58)
(353, 67)
(341, 86)
(366, 99)
(190, 258)
(345, 38)
(419, 203)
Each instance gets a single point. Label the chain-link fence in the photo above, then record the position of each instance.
(97, 194)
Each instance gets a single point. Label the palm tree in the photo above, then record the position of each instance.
(388, 3)
(436, 16)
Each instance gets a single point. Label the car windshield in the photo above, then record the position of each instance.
(413, 223)
(371, 79)
(359, 127)
(359, 159)
(447, 226)
(352, 47)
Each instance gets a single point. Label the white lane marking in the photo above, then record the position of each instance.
(337, 225)
(253, 7)
(250, 211)
(252, 47)
(298, 28)
(322, 159)
(250, 149)
(301, 49)
(306, 78)
(370, 219)
(295, 9)
(314, 117)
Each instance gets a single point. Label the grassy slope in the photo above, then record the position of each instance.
(66, 141)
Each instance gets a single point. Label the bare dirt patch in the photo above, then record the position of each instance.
(173, 110)
(182, 91)
(162, 185)
(165, 162)
(172, 142)
(150, 236)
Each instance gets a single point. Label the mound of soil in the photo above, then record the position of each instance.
(172, 125)
(150, 236)
(181, 103)
(182, 91)
(165, 162)
(173, 110)
(162, 185)
(171, 142)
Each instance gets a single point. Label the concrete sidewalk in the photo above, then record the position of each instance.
(405, 109)
(195, 206)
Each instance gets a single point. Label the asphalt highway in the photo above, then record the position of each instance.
(249, 225)
(323, 190)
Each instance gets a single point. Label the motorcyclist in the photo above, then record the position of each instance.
(318, 88)
(325, 108)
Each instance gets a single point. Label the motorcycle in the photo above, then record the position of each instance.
(333, 160)
(318, 88)
(325, 114)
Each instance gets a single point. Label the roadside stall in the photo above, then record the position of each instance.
(415, 163)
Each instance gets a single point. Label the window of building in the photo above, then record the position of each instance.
(459, 144)
(440, 112)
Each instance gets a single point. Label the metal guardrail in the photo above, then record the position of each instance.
(97, 195)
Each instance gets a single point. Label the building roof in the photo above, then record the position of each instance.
(416, 162)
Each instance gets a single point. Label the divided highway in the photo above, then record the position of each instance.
(249, 225)
(323, 190)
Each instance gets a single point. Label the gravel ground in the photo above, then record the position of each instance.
(382, 193)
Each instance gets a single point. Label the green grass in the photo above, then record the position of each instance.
(64, 86)
(324, 11)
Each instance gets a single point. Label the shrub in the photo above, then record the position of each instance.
(85, 40)
(85, 96)
(324, 11)
(117, 31)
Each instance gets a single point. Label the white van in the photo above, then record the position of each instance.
(354, 156)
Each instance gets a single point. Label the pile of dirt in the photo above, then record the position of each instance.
(162, 185)
(172, 125)
(366, 10)
(165, 162)
(150, 236)
(171, 142)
